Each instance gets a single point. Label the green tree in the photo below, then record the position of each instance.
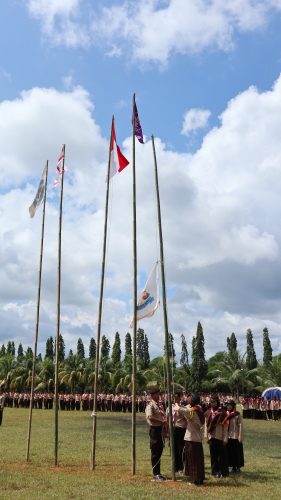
(231, 343)
(105, 349)
(92, 349)
(267, 349)
(11, 348)
(251, 359)
(184, 353)
(116, 350)
(80, 349)
(28, 353)
(61, 348)
(140, 348)
(49, 349)
(128, 353)
(2, 351)
(20, 354)
(146, 356)
(172, 353)
(199, 367)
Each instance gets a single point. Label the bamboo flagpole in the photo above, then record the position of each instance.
(94, 414)
(167, 343)
(56, 402)
(32, 210)
(134, 339)
(116, 163)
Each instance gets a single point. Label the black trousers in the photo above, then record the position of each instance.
(179, 433)
(156, 447)
(218, 456)
(1, 416)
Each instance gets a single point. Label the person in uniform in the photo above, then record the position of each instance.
(194, 456)
(216, 435)
(156, 419)
(179, 428)
(234, 426)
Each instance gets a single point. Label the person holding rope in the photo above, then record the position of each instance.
(194, 455)
(156, 419)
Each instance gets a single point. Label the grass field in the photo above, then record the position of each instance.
(261, 477)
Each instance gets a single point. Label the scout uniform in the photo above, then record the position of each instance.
(155, 417)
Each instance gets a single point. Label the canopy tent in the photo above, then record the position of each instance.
(272, 392)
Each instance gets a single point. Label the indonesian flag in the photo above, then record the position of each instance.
(117, 160)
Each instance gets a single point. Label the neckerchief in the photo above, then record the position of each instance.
(213, 418)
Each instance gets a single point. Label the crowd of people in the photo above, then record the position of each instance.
(223, 430)
(254, 407)
(194, 416)
(214, 416)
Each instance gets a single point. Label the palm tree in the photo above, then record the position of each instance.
(8, 365)
(73, 373)
(45, 379)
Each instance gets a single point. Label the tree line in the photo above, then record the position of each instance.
(227, 371)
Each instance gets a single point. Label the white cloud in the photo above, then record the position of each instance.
(195, 119)
(60, 20)
(220, 211)
(151, 30)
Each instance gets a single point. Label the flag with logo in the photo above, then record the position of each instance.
(117, 160)
(149, 299)
(40, 193)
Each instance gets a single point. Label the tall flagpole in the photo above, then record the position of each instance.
(37, 319)
(165, 313)
(56, 402)
(94, 414)
(134, 364)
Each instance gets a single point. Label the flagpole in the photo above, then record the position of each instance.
(164, 312)
(134, 364)
(56, 402)
(94, 414)
(37, 319)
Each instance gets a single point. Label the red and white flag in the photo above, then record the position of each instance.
(117, 160)
(60, 168)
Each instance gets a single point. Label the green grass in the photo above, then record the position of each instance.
(261, 476)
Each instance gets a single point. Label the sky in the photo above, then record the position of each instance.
(206, 74)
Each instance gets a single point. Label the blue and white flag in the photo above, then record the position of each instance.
(149, 299)
(40, 193)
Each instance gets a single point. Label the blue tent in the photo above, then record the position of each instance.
(272, 392)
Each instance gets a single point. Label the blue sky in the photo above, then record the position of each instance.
(206, 76)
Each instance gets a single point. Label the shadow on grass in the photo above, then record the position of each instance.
(246, 479)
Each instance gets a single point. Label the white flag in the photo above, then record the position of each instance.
(39, 195)
(149, 300)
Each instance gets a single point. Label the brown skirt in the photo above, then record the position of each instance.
(194, 461)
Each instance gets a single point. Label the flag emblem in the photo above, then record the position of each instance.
(149, 298)
(40, 193)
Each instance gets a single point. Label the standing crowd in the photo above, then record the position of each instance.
(211, 417)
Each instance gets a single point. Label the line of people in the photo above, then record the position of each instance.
(222, 428)
(259, 408)
(76, 401)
